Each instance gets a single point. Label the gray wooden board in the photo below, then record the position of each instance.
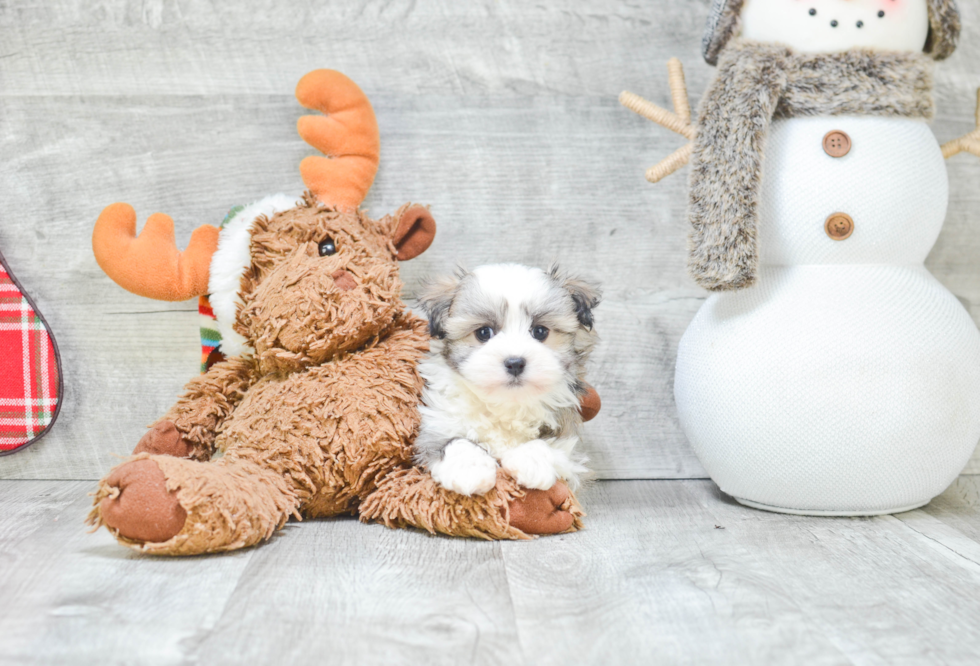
(502, 115)
(668, 572)
(691, 577)
(70, 597)
(374, 595)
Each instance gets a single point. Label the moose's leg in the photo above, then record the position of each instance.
(172, 506)
(408, 497)
(189, 428)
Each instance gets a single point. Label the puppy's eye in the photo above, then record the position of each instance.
(484, 334)
(540, 333)
(327, 247)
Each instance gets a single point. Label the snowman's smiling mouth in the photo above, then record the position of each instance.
(836, 26)
(834, 23)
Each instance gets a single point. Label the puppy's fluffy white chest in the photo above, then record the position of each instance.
(450, 406)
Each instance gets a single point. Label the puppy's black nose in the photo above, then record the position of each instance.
(515, 365)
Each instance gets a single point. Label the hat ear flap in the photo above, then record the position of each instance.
(944, 28)
(722, 24)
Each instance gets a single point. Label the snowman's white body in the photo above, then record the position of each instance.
(847, 380)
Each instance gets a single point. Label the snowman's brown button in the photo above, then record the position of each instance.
(837, 143)
(839, 226)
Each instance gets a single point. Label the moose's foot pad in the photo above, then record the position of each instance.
(551, 511)
(139, 506)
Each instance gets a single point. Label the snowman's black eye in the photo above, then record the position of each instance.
(327, 247)
(881, 14)
(860, 24)
(484, 334)
(834, 24)
(813, 12)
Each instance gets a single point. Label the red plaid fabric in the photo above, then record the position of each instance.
(29, 375)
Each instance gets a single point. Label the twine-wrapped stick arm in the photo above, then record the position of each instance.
(674, 163)
(657, 114)
(679, 121)
(969, 143)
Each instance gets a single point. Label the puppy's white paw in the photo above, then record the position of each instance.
(533, 464)
(465, 468)
(568, 470)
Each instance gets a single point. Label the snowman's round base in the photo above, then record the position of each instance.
(805, 512)
(850, 390)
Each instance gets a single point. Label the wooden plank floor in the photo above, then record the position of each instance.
(666, 572)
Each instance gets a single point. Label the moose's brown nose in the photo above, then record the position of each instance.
(343, 280)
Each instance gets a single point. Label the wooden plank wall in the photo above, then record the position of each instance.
(501, 114)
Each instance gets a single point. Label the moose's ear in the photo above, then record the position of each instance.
(414, 233)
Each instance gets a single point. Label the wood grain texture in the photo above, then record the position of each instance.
(502, 115)
(677, 573)
(373, 595)
(70, 597)
(665, 572)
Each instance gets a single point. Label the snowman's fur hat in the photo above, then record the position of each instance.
(724, 17)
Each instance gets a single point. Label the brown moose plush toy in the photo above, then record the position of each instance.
(316, 406)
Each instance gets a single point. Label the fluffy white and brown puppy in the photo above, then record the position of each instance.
(505, 376)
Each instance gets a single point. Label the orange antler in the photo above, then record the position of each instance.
(347, 135)
(151, 265)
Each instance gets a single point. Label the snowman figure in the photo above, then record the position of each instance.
(829, 372)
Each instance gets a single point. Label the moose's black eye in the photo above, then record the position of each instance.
(484, 334)
(327, 247)
(540, 333)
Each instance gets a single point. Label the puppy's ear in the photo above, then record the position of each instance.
(436, 300)
(584, 294)
(414, 233)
